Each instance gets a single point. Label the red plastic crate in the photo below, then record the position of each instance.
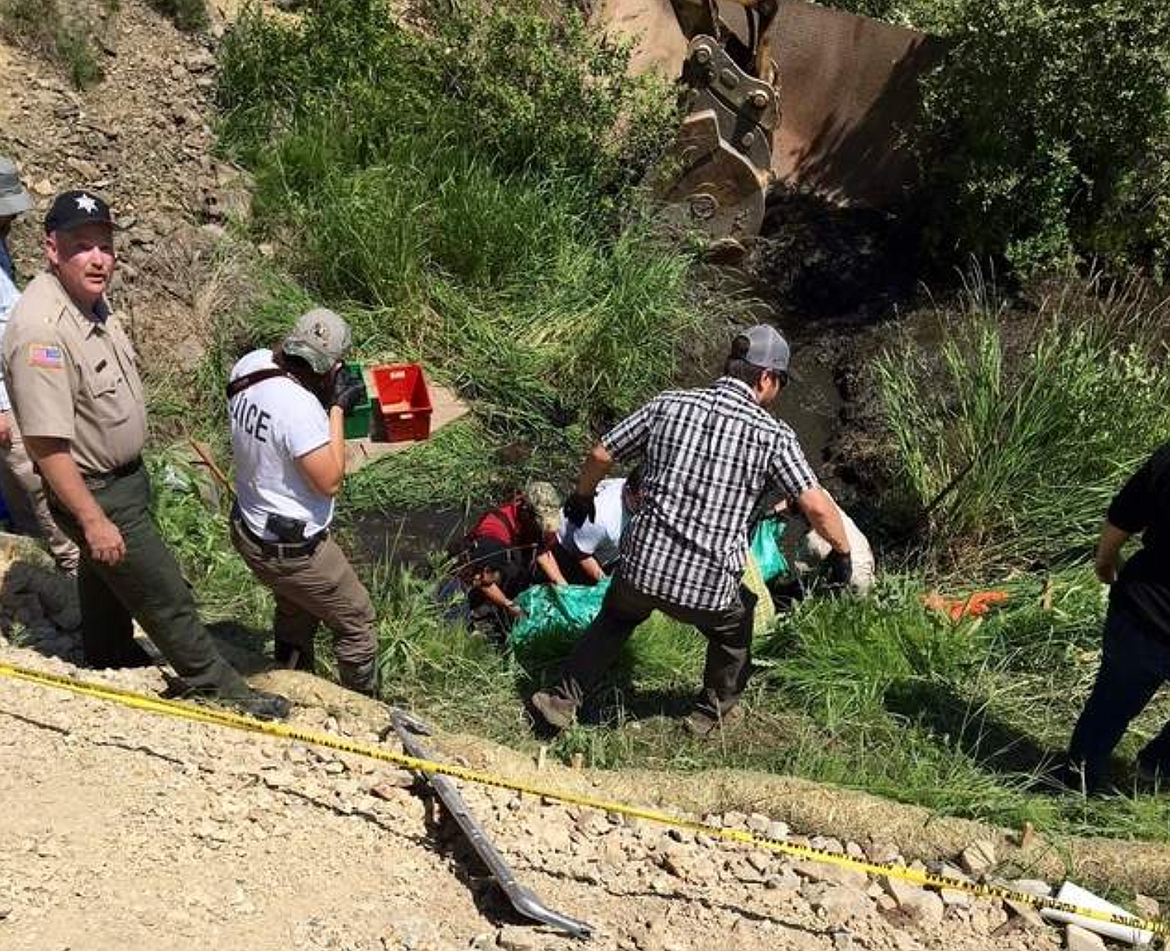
(404, 401)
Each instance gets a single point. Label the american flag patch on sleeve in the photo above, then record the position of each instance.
(45, 356)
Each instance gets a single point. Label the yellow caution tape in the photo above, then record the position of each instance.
(235, 721)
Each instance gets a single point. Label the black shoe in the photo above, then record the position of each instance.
(291, 657)
(258, 704)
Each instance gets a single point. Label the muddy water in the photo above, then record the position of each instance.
(408, 537)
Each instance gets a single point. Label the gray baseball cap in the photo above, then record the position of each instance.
(14, 200)
(765, 348)
(320, 338)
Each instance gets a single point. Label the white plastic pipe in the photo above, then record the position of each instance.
(1075, 895)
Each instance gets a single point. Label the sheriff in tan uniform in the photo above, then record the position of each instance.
(79, 401)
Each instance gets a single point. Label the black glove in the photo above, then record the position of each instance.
(580, 509)
(838, 570)
(349, 389)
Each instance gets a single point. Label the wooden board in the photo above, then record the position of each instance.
(447, 408)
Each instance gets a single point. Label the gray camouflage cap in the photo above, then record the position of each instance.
(546, 502)
(320, 338)
(14, 200)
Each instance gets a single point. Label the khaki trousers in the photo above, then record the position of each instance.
(318, 588)
(24, 492)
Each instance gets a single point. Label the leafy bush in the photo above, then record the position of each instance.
(1046, 130)
(527, 91)
(1020, 454)
(1049, 127)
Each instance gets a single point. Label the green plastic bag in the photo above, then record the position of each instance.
(556, 609)
(767, 550)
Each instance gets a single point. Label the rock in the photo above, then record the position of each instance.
(837, 874)
(1031, 886)
(842, 941)
(1077, 938)
(517, 938)
(839, 903)
(1023, 917)
(278, 779)
(954, 898)
(200, 61)
(1145, 906)
(777, 829)
(978, 858)
(759, 823)
(916, 903)
(785, 880)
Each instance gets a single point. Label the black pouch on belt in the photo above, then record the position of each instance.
(289, 531)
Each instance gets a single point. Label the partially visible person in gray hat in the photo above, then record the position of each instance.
(288, 409)
(20, 484)
(707, 455)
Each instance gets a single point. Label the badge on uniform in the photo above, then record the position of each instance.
(46, 356)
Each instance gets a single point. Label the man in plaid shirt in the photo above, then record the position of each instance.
(708, 455)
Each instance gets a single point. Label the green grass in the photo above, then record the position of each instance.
(877, 694)
(464, 195)
(1014, 445)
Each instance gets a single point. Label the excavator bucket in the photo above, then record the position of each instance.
(714, 179)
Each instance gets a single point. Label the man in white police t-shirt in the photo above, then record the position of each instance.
(289, 454)
(586, 553)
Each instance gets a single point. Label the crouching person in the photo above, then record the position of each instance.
(287, 420)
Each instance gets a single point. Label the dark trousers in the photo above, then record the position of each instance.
(728, 633)
(1134, 664)
(147, 586)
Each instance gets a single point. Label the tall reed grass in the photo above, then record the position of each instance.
(1015, 433)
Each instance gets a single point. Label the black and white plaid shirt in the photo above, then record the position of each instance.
(708, 455)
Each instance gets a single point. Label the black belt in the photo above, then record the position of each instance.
(99, 480)
(280, 549)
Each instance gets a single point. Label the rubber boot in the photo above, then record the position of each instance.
(360, 678)
(291, 657)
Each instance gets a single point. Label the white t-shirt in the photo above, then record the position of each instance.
(602, 537)
(274, 423)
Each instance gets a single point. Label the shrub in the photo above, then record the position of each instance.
(63, 35)
(1046, 129)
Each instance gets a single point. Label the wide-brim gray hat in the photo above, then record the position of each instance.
(14, 200)
(320, 338)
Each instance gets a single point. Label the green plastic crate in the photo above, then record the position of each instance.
(357, 423)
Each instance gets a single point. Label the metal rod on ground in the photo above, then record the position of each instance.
(523, 899)
(205, 455)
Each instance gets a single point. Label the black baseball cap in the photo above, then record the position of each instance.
(73, 209)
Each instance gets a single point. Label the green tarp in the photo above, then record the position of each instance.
(568, 609)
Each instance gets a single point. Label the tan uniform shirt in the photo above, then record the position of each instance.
(74, 378)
